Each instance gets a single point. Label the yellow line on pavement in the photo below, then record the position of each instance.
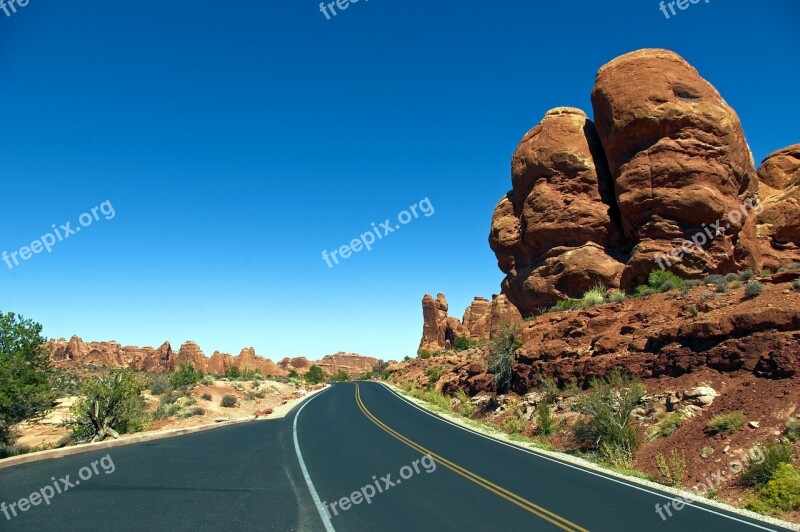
(525, 504)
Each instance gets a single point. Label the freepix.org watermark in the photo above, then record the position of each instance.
(58, 486)
(9, 7)
(385, 483)
(366, 240)
(709, 232)
(330, 7)
(683, 5)
(59, 234)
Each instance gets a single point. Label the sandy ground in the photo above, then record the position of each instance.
(278, 399)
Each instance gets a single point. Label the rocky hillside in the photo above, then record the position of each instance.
(76, 352)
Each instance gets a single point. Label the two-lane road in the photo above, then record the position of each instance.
(356, 457)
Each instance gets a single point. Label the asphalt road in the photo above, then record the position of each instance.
(352, 458)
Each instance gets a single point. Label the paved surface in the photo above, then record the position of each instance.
(360, 439)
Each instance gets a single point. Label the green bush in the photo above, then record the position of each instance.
(434, 374)
(315, 375)
(293, 375)
(206, 397)
(25, 390)
(462, 343)
(567, 304)
(594, 296)
(464, 406)
(796, 284)
(793, 429)
(159, 384)
(729, 422)
(617, 296)
(428, 354)
(208, 380)
(753, 289)
(186, 375)
(513, 425)
(746, 275)
(780, 494)
(608, 408)
(190, 412)
(759, 473)
(674, 471)
(503, 349)
(688, 284)
(166, 410)
(545, 423)
(663, 281)
(342, 376)
(766, 272)
(232, 373)
(666, 426)
(229, 401)
(731, 277)
(108, 407)
(712, 279)
(721, 286)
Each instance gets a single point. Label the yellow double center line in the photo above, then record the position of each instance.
(513, 498)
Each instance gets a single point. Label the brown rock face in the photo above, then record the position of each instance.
(476, 319)
(438, 330)
(679, 159)
(551, 232)
(780, 193)
(77, 352)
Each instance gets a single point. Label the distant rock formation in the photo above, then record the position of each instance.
(481, 320)
(665, 161)
(75, 352)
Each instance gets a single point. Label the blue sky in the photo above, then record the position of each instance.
(236, 141)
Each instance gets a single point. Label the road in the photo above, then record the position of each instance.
(315, 469)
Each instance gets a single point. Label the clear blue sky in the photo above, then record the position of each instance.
(237, 140)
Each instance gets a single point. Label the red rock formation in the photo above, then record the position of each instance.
(551, 232)
(779, 223)
(476, 319)
(76, 352)
(679, 159)
(438, 330)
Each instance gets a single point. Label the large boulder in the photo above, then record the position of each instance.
(779, 189)
(562, 199)
(680, 162)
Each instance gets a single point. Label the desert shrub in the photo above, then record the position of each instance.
(766, 272)
(567, 304)
(666, 426)
(608, 408)
(315, 375)
(186, 375)
(293, 374)
(712, 279)
(689, 284)
(793, 429)
(462, 343)
(190, 412)
(550, 389)
(342, 376)
(208, 380)
(644, 290)
(673, 472)
(232, 373)
(729, 422)
(159, 384)
(109, 406)
(731, 277)
(721, 286)
(513, 425)
(692, 310)
(796, 284)
(428, 354)
(464, 406)
(503, 348)
(617, 296)
(436, 399)
(746, 275)
(229, 401)
(206, 397)
(433, 374)
(753, 289)
(663, 281)
(594, 296)
(780, 494)
(759, 473)
(545, 423)
(25, 390)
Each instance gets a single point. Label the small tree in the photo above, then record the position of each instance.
(293, 374)
(109, 406)
(315, 375)
(503, 349)
(341, 376)
(185, 375)
(25, 391)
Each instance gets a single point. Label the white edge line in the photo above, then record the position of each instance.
(545, 457)
(326, 521)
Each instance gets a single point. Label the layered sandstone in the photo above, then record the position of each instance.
(779, 223)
